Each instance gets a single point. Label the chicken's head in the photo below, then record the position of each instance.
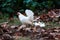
(18, 13)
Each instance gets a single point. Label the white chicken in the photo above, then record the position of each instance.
(24, 19)
(41, 24)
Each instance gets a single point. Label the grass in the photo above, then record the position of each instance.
(53, 24)
(13, 22)
(24, 38)
(16, 21)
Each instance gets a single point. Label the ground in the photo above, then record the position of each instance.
(17, 22)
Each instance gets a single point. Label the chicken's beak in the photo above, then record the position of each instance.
(18, 13)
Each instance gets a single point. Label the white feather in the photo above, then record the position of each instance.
(30, 14)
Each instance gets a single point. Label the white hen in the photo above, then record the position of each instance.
(24, 19)
(41, 24)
